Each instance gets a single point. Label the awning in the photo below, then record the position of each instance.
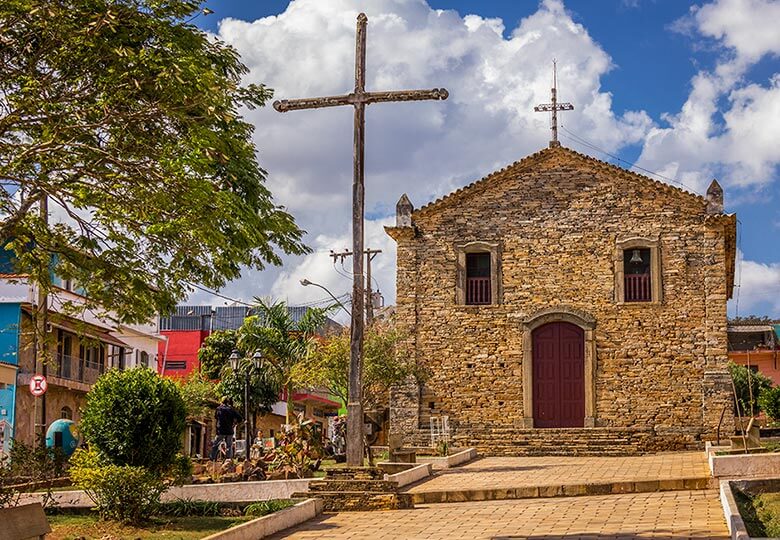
(7, 374)
(82, 329)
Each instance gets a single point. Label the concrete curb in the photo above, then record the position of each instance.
(410, 476)
(570, 490)
(450, 461)
(272, 523)
(743, 466)
(248, 492)
(734, 520)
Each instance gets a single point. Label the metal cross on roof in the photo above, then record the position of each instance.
(554, 107)
(358, 98)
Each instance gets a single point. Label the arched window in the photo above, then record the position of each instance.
(66, 413)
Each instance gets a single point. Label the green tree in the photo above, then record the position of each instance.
(264, 388)
(200, 395)
(769, 400)
(384, 365)
(215, 352)
(748, 386)
(135, 418)
(127, 118)
(286, 343)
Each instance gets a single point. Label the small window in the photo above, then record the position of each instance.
(176, 365)
(478, 278)
(144, 359)
(66, 413)
(637, 276)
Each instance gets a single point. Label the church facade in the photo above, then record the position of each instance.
(566, 305)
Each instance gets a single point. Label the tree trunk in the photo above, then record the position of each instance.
(290, 409)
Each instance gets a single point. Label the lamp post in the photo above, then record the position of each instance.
(306, 283)
(235, 365)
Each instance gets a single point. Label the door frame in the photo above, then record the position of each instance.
(560, 314)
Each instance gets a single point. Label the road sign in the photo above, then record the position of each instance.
(38, 385)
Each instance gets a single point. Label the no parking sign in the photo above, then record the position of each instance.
(38, 385)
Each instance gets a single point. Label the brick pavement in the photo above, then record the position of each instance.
(512, 472)
(673, 515)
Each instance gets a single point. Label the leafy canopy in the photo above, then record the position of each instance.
(134, 417)
(127, 118)
(286, 343)
(384, 365)
(215, 352)
(748, 386)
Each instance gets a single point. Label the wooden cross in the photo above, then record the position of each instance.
(554, 107)
(358, 98)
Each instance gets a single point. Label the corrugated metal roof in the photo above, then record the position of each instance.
(752, 328)
(199, 318)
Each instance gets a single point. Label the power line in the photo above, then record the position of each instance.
(585, 142)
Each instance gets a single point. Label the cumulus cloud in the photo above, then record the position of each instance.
(425, 149)
(758, 288)
(736, 143)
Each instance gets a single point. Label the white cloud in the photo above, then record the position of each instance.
(425, 149)
(759, 288)
(737, 142)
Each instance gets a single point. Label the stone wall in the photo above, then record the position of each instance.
(557, 218)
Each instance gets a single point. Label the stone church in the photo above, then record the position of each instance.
(566, 305)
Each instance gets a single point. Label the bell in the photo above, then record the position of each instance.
(636, 257)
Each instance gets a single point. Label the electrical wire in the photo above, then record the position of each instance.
(581, 140)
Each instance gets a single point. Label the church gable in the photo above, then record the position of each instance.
(519, 179)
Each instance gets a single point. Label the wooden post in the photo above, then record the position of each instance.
(359, 98)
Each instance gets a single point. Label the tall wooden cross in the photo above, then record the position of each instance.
(359, 98)
(554, 107)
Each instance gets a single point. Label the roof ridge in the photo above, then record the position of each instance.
(544, 154)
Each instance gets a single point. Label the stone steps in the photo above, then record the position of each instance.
(359, 501)
(378, 486)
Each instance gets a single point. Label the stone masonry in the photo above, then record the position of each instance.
(555, 225)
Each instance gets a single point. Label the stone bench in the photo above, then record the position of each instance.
(25, 521)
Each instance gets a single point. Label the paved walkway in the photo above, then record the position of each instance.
(672, 515)
(513, 472)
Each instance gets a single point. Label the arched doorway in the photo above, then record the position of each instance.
(558, 351)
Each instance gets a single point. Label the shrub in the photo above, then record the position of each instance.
(262, 508)
(298, 450)
(190, 507)
(757, 383)
(125, 493)
(769, 400)
(135, 418)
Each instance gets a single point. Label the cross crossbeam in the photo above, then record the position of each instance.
(554, 107)
(358, 98)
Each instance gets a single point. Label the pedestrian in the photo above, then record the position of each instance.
(226, 418)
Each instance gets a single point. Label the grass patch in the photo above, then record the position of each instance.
(760, 513)
(72, 527)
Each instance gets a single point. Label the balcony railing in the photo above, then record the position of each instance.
(78, 369)
(478, 291)
(637, 288)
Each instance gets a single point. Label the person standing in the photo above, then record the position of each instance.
(226, 418)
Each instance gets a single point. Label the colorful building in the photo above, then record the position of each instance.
(79, 350)
(756, 346)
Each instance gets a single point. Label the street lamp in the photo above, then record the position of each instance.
(235, 364)
(305, 282)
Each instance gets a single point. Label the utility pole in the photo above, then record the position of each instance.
(370, 254)
(41, 320)
(358, 99)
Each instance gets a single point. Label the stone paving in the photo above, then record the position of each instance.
(513, 472)
(674, 515)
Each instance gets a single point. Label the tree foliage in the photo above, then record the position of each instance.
(264, 387)
(127, 117)
(769, 401)
(215, 352)
(384, 365)
(748, 386)
(286, 343)
(200, 395)
(134, 417)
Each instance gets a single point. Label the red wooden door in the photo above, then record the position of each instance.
(559, 375)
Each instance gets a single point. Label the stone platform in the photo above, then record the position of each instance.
(496, 478)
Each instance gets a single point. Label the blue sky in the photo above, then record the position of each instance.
(683, 88)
